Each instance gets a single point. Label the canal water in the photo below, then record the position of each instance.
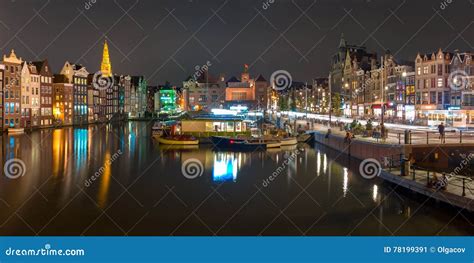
(115, 180)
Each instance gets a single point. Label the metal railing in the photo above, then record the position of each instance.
(433, 137)
(464, 183)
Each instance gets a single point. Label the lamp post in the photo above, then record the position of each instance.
(383, 102)
(346, 86)
(330, 101)
(404, 95)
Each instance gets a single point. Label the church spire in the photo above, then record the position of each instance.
(105, 66)
(342, 42)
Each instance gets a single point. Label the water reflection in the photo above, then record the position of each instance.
(226, 166)
(375, 191)
(345, 181)
(80, 146)
(105, 174)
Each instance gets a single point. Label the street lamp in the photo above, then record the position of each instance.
(346, 85)
(404, 95)
(330, 101)
(383, 104)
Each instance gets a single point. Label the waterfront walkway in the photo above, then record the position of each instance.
(459, 191)
(398, 137)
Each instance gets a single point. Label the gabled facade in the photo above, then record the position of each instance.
(77, 75)
(63, 100)
(462, 80)
(30, 96)
(46, 93)
(432, 85)
(12, 91)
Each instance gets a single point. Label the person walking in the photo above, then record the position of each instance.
(441, 133)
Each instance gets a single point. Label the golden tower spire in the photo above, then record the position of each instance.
(105, 66)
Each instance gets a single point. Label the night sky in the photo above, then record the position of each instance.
(166, 40)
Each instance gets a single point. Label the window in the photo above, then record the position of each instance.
(447, 96)
(425, 70)
(433, 97)
(418, 70)
(239, 95)
(440, 82)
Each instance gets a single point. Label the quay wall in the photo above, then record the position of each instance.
(358, 149)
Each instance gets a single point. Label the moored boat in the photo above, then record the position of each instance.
(15, 130)
(289, 141)
(273, 144)
(178, 140)
(239, 144)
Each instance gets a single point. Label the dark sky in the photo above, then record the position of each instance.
(166, 40)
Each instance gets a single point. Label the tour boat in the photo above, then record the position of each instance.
(272, 143)
(237, 143)
(160, 129)
(15, 130)
(178, 140)
(289, 141)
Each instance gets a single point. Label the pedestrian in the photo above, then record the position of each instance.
(348, 137)
(441, 133)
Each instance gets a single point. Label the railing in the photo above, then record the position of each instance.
(432, 137)
(463, 183)
(410, 136)
(393, 161)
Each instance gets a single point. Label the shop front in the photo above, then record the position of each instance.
(410, 113)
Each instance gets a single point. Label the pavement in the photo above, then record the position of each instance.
(396, 136)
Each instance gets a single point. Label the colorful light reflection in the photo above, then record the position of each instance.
(225, 167)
